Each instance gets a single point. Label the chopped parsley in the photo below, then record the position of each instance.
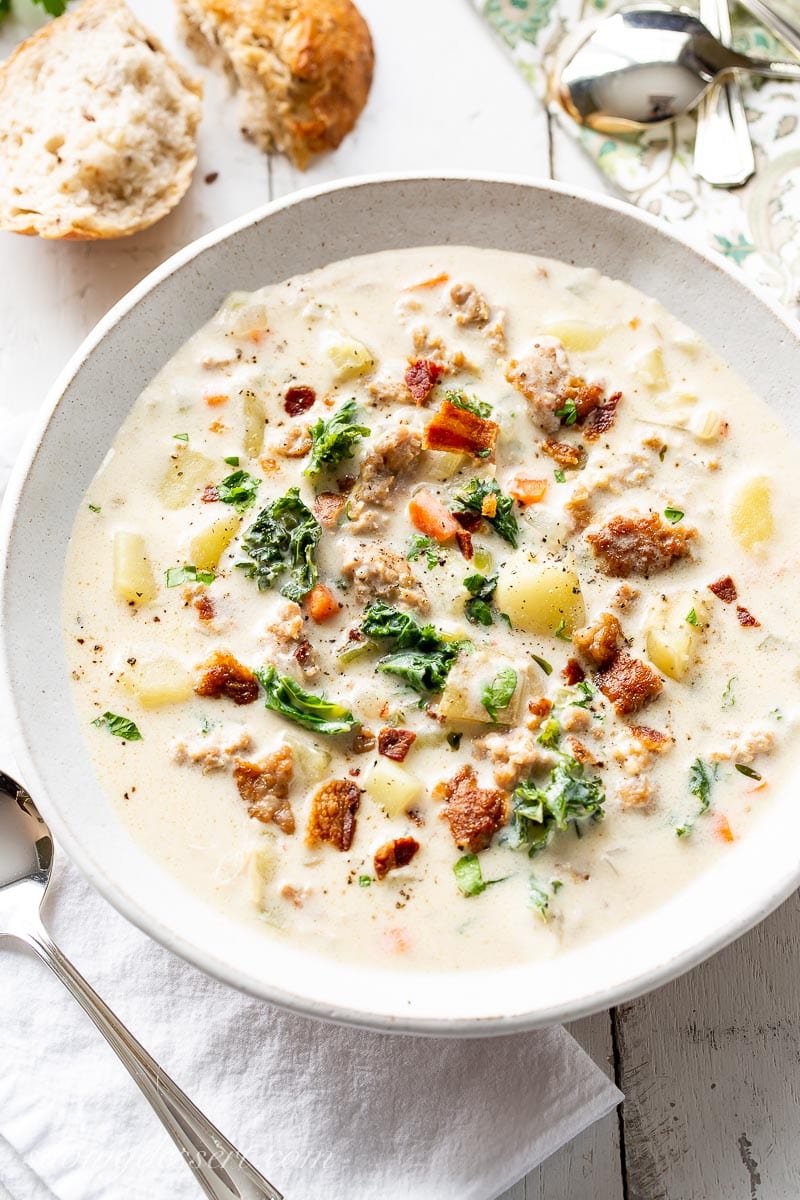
(559, 475)
(540, 895)
(588, 692)
(663, 453)
(181, 437)
(569, 798)
(503, 521)
(95, 508)
(497, 695)
(673, 515)
(336, 439)
(364, 880)
(189, 574)
(478, 408)
(478, 609)
(238, 489)
(422, 546)
(282, 541)
(728, 698)
(232, 460)
(284, 696)
(469, 876)
(691, 617)
(121, 727)
(743, 769)
(701, 778)
(543, 663)
(561, 630)
(569, 413)
(420, 656)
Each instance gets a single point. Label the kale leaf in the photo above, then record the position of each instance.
(496, 696)
(569, 797)
(427, 547)
(238, 489)
(283, 695)
(336, 439)
(474, 498)
(481, 590)
(175, 576)
(420, 655)
(282, 540)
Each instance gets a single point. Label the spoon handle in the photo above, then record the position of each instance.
(766, 67)
(723, 152)
(221, 1171)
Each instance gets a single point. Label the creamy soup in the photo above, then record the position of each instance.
(437, 608)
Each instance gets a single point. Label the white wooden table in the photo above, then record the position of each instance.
(710, 1065)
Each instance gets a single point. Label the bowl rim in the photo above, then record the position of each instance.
(102, 880)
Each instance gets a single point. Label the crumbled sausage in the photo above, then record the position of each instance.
(295, 443)
(636, 792)
(395, 743)
(264, 786)
(421, 377)
(624, 597)
(393, 455)
(213, 751)
(582, 753)
(376, 573)
(541, 377)
(566, 454)
(223, 675)
(513, 754)
(579, 508)
(333, 814)
(639, 545)
(600, 640)
(724, 589)
(306, 659)
(426, 346)
(539, 710)
(473, 813)
(652, 739)
(472, 307)
(328, 507)
(746, 618)
(287, 625)
(397, 853)
(743, 745)
(575, 719)
(628, 683)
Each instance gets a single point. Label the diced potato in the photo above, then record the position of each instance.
(752, 519)
(540, 597)
(350, 358)
(392, 787)
(441, 464)
(707, 424)
(134, 581)
(157, 681)
(651, 371)
(312, 761)
(186, 473)
(207, 547)
(672, 641)
(462, 698)
(262, 866)
(255, 419)
(577, 335)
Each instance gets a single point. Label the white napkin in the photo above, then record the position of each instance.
(324, 1111)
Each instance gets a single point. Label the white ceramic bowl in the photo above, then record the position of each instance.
(83, 413)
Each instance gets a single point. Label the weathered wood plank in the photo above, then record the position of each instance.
(709, 1066)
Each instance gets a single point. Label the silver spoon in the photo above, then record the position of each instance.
(26, 860)
(645, 65)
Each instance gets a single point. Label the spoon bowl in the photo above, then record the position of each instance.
(26, 857)
(645, 65)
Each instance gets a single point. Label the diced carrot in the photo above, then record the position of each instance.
(430, 517)
(215, 401)
(526, 489)
(757, 787)
(217, 427)
(722, 829)
(321, 603)
(428, 283)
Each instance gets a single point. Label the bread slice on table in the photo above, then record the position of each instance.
(98, 127)
(303, 67)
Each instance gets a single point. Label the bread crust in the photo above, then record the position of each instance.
(304, 66)
(35, 54)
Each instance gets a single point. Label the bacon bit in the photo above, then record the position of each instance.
(223, 675)
(652, 739)
(722, 829)
(602, 419)
(303, 653)
(395, 743)
(526, 489)
(396, 941)
(587, 397)
(215, 401)
(397, 853)
(217, 427)
(459, 431)
(470, 521)
(464, 541)
(321, 603)
(205, 607)
(541, 707)
(724, 589)
(427, 283)
(264, 786)
(328, 507)
(299, 400)
(422, 376)
(473, 813)
(582, 753)
(628, 683)
(333, 814)
(573, 672)
(429, 516)
(746, 618)
(489, 506)
(564, 453)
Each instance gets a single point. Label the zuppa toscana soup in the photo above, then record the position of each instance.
(437, 608)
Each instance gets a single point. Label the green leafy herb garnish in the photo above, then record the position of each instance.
(336, 439)
(559, 475)
(569, 413)
(701, 778)
(420, 655)
(283, 540)
(283, 695)
(459, 399)
(239, 489)
(551, 734)
(728, 698)
(232, 460)
(364, 880)
(588, 692)
(560, 631)
(454, 740)
(662, 453)
(503, 522)
(568, 798)
(691, 617)
(481, 589)
(469, 876)
(181, 437)
(95, 508)
(121, 727)
(497, 695)
(673, 515)
(427, 547)
(543, 663)
(188, 574)
(743, 769)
